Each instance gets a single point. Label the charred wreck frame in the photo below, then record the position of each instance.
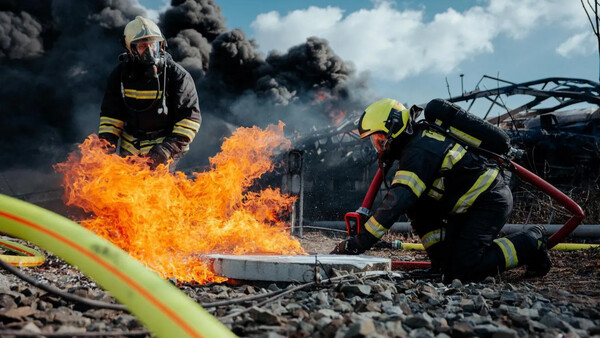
(557, 124)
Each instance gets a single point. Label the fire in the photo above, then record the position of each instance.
(335, 114)
(168, 221)
(320, 96)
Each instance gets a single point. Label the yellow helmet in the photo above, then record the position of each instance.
(382, 116)
(141, 29)
(383, 121)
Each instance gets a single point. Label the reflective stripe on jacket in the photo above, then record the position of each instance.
(435, 167)
(132, 109)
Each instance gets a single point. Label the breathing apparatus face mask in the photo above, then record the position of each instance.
(148, 55)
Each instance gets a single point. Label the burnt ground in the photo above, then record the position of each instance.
(565, 302)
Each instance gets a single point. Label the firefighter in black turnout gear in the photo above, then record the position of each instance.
(150, 106)
(456, 198)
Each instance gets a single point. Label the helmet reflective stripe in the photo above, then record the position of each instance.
(141, 28)
(376, 118)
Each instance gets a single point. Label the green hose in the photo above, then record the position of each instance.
(26, 256)
(163, 309)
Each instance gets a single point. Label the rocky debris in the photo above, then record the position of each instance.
(369, 307)
(388, 305)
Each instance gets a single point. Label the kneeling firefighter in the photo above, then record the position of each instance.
(150, 105)
(456, 198)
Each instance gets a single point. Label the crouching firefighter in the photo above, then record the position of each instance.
(150, 105)
(456, 198)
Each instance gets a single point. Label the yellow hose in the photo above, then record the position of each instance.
(163, 308)
(412, 246)
(27, 256)
(574, 246)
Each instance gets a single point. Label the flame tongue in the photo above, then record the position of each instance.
(167, 221)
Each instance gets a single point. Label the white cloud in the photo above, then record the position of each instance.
(153, 8)
(278, 32)
(517, 18)
(393, 44)
(578, 44)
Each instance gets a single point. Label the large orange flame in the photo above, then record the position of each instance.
(168, 221)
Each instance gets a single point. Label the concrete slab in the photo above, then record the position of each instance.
(290, 268)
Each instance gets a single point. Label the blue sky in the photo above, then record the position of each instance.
(408, 49)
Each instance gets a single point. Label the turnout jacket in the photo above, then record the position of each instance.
(132, 110)
(436, 170)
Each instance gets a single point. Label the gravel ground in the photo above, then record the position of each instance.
(563, 303)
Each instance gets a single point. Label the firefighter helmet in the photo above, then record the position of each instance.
(385, 116)
(141, 30)
(383, 121)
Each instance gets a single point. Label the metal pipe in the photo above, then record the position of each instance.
(399, 245)
(301, 202)
(584, 230)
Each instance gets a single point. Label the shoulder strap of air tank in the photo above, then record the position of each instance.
(446, 132)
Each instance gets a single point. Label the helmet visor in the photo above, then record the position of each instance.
(378, 140)
(147, 49)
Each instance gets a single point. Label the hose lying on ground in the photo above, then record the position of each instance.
(26, 256)
(163, 308)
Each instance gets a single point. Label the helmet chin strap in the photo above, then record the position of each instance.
(385, 160)
(384, 157)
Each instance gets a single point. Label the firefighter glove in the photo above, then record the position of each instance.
(112, 140)
(111, 150)
(348, 246)
(158, 155)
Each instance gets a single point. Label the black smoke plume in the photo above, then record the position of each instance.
(55, 56)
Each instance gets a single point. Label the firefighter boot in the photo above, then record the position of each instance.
(527, 248)
(541, 263)
(437, 255)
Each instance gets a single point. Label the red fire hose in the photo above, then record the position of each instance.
(354, 219)
(525, 175)
(558, 196)
(373, 189)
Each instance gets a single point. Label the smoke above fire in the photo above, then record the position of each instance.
(55, 57)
